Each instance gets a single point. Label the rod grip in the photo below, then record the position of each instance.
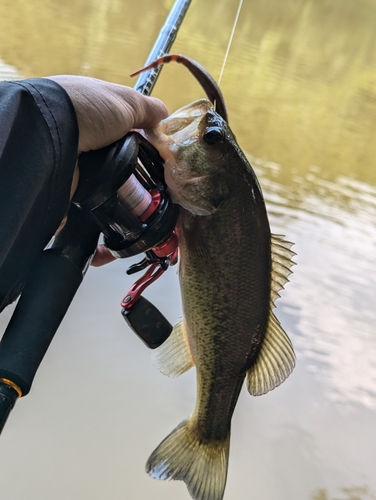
(41, 308)
(8, 398)
(50, 287)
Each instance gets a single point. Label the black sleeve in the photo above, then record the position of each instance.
(38, 153)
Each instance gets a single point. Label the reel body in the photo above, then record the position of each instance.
(122, 187)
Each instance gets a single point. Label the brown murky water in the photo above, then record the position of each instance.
(300, 85)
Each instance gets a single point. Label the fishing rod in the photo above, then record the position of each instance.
(121, 194)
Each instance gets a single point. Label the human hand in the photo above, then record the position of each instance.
(106, 112)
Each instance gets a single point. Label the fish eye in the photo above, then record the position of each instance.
(213, 135)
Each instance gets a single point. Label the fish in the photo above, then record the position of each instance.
(231, 270)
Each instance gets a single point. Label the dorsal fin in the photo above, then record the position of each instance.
(275, 361)
(281, 265)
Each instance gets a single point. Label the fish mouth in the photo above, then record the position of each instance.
(184, 117)
(172, 137)
(181, 127)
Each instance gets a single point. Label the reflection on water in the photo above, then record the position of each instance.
(335, 227)
(300, 85)
(349, 494)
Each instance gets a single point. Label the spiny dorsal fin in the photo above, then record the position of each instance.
(281, 265)
(174, 356)
(275, 361)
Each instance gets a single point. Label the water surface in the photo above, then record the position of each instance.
(300, 86)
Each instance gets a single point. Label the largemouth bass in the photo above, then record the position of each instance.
(231, 269)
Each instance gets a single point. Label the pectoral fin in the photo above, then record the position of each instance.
(174, 356)
(275, 361)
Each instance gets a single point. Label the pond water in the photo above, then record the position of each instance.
(300, 85)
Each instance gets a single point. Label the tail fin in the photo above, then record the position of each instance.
(201, 465)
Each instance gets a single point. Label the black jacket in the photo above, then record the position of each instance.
(38, 153)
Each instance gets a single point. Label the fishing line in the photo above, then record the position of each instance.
(230, 41)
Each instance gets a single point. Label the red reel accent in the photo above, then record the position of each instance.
(155, 202)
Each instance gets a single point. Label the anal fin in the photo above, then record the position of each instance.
(174, 356)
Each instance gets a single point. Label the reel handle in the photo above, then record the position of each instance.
(147, 322)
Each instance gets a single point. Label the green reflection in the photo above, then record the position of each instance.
(300, 82)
